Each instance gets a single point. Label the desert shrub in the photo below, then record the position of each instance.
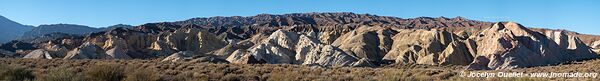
(189, 76)
(105, 72)
(15, 73)
(392, 75)
(283, 76)
(231, 77)
(142, 74)
(445, 75)
(61, 74)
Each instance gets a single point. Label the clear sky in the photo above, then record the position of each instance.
(576, 15)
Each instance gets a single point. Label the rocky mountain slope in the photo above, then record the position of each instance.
(10, 29)
(321, 39)
(72, 29)
(57, 28)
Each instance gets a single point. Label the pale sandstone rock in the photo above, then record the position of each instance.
(243, 57)
(283, 38)
(570, 42)
(187, 39)
(456, 54)
(272, 54)
(327, 55)
(39, 54)
(510, 45)
(180, 56)
(364, 62)
(304, 46)
(362, 42)
(385, 39)
(86, 51)
(161, 48)
(432, 47)
(277, 48)
(228, 49)
(56, 51)
(118, 53)
(113, 42)
(596, 46)
(283, 47)
(328, 37)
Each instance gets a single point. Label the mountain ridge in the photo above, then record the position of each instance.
(73, 29)
(321, 39)
(11, 29)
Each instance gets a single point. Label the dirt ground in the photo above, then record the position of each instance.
(144, 70)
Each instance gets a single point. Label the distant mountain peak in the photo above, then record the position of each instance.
(11, 29)
(61, 24)
(5, 21)
(59, 28)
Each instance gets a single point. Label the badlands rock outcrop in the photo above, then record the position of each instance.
(56, 51)
(596, 47)
(292, 48)
(327, 55)
(321, 39)
(39, 54)
(243, 57)
(48, 51)
(510, 45)
(87, 51)
(118, 53)
(277, 48)
(180, 56)
(364, 42)
(188, 39)
(433, 47)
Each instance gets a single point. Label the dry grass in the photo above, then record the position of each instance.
(105, 72)
(154, 70)
(15, 73)
(61, 74)
(141, 74)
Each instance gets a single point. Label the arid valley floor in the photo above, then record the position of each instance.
(147, 70)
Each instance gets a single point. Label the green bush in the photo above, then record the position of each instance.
(105, 72)
(11, 73)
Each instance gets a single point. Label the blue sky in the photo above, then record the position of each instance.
(576, 15)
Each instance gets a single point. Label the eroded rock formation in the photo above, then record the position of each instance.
(187, 39)
(510, 45)
(180, 56)
(596, 47)
(429, 47)
(87, 51)
(321, 39)
(39, 54)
